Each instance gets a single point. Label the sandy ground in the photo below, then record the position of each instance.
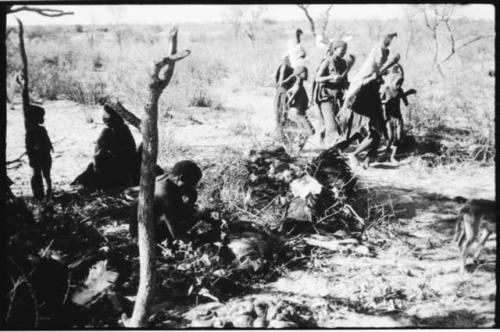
(410, 279)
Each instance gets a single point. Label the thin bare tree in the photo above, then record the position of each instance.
(235, 18)
(312, 24)
(432, 18)
(410, 15)
(253, 22)
(442, 16)
(456, 43)
(159, 80)
(23, 80)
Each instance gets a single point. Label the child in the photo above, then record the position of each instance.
(298, 102)
(391, 96)
(174, 202)
(38, 148)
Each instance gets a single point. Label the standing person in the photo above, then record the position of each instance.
(299, 102)
(38, 148)
(361, 115)
(284, 80)
(391, 95)
(296, 50)
(331, 81)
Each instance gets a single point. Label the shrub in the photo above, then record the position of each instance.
(200, 97)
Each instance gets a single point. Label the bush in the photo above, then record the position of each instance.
(200, 97)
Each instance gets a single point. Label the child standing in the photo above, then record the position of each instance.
(38, 148)
(391, 95)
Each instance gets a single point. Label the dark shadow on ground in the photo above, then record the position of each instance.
(455, 319)
(384, 166)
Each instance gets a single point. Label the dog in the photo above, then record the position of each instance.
(475, 215)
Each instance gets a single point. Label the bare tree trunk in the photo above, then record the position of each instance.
(157, 84)
(410, 33)
(145, 214)
(436, 54)
(325, 20)
(24, 73)
(309, 18)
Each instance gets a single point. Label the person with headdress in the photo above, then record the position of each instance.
(298, 101)
(38, 149)
(296, 50)
(361, 117)
(330, 83)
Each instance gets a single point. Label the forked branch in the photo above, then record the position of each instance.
(164, 69)
(305, 9)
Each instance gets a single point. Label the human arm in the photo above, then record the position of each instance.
(404, 95)
(280, 77)
(103, 142)
(49, 142)
(291, 93)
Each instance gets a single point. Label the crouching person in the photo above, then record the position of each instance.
(174, 202)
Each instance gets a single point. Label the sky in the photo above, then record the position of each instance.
(159, 14)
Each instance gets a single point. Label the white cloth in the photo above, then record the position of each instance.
(296, 52)
(377, 57)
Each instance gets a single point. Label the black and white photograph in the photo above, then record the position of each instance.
(256, 166)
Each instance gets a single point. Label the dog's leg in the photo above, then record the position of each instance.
(458, 229)
(480, 247)
(468, 229)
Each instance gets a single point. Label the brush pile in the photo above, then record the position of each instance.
(317, 195)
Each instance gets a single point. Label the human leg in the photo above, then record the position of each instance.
(37, 182)
(369, 145)
(331, 127)
(46, 174)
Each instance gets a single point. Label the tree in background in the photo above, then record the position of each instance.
(440, 21)
(322, 22)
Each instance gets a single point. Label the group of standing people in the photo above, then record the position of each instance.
(364, 109)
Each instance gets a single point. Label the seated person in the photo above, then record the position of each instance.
(114, 158)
